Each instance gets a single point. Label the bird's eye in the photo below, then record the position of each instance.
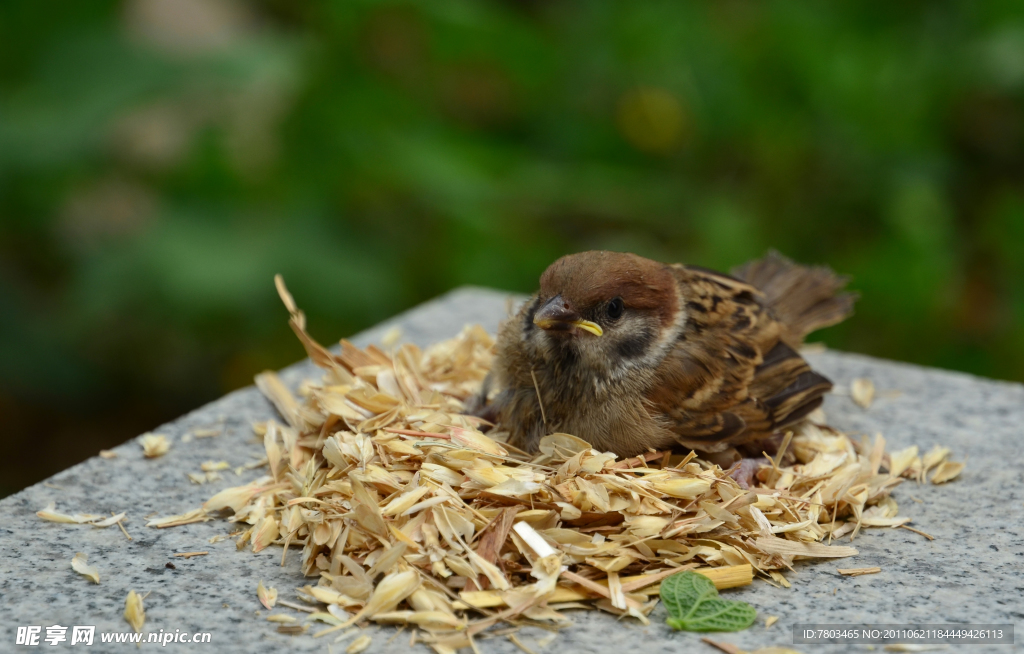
(615, 308)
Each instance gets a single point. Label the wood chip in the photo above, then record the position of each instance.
(358, 645)
(274, 390)
(770, 545)
(518, 643)
(728, 648)
(267, 596)
(79, 563)
(918, 531)
(120, 525)
(862, 392)
(856, 572)
(947, 471)
(134, 611)
(50, 513)
(154, 445)
(189, 555)
(109, 522)
(195, 515)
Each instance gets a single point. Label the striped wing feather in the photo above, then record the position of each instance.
(731, 378)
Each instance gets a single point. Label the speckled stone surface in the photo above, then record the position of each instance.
(972, 572)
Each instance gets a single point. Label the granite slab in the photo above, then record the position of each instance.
(972, 572)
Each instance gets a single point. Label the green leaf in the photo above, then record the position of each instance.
(693, 604)
(685, 591)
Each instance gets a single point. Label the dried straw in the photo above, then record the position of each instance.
(406, 513)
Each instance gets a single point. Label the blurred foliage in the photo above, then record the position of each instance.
(160, 160)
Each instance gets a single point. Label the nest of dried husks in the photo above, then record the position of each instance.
(406, 513)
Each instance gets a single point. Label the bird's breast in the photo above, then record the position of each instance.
(607, 412)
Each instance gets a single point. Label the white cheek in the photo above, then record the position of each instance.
(656, 350)
(670, 336)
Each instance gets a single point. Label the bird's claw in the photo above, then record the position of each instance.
(745, 471)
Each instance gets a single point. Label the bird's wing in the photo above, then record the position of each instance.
(730, 378)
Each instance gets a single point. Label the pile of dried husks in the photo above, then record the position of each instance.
(406, 513)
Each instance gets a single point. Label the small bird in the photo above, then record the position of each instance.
(631, 354)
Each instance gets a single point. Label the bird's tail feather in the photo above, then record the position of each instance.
(804, 298)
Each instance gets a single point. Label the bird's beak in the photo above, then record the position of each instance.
(556, 316)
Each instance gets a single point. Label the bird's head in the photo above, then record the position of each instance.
(608, 310)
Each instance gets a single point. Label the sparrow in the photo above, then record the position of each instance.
(631, 354)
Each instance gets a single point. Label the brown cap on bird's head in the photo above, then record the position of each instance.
(589, 278)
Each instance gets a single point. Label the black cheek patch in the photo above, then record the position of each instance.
(566, 357)
(530, 313)
(635, 345)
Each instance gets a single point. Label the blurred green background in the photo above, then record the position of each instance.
(160, 160)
